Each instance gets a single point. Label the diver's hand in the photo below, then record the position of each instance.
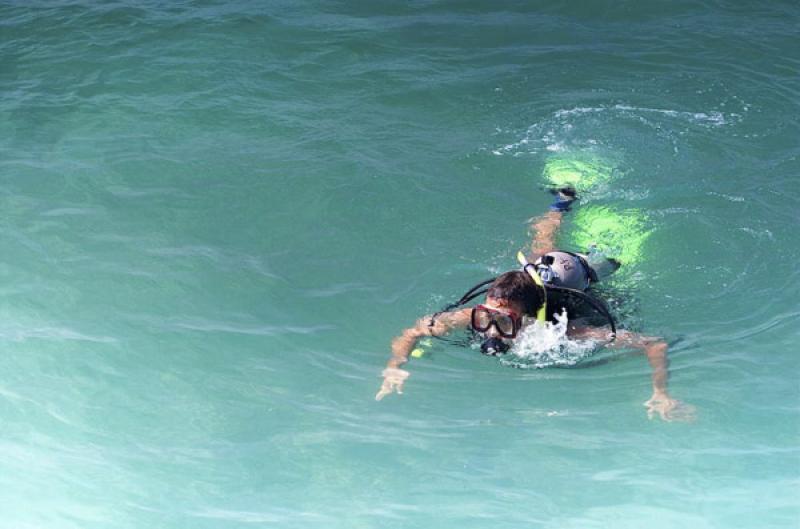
(669, 409)
(393, 380)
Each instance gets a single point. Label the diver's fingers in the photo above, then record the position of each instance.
(386, 389)
(397, 385)
(683, 412)
(654, 406)
(393, 379)
(649, 405)
(663, 408)
(670, 410)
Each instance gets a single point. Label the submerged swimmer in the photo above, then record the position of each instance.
(553, 282)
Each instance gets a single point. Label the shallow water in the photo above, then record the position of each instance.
(215, 217)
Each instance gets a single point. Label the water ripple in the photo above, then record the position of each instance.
(205, 325)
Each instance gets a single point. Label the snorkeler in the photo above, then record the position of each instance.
(551, 283)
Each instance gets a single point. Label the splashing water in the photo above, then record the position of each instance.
(547, 345)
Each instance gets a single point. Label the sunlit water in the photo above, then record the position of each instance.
(217, 215)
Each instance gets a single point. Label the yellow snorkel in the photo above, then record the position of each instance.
(541, 314)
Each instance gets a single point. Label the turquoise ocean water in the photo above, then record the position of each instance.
(214, 217)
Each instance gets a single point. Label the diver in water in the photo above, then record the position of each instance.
(551, 282)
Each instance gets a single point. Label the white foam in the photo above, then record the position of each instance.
(546, 344)
(557, 133)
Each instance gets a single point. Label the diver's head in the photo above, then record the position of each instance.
(510, 298)
(517, 292)
(498, 323)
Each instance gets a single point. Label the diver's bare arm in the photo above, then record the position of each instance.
(661, 403)
(393, 376)
(444, 323)
(659, 364)
(655, 349)
(656, 352)
(544, 230)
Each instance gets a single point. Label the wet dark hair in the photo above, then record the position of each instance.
(517, 287)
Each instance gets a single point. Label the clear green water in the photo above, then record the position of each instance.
(214, 216)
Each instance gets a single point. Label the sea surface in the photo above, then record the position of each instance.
(216, 215)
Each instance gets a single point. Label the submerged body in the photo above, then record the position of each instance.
(539, 292)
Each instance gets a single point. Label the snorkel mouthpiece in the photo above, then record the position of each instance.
(494, 347)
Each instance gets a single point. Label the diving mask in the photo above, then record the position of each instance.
(507, 324)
